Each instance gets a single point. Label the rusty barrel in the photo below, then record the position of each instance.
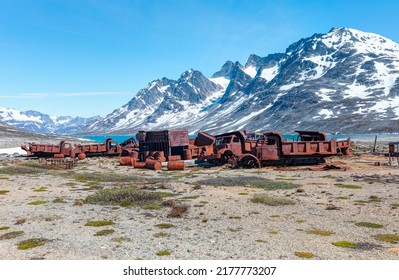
(139, 164)
(161, 159)
(176, 165)
(174, 158)
(187, 154)
(58, 156)
(127, 161)
(135, 154)
(159, 154)
(153, 164)
(81, 156)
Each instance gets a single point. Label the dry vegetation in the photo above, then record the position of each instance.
(101, 210)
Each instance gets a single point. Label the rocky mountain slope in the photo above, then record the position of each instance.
(43, 123)
(345, 81)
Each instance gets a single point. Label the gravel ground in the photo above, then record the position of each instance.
(221, 222)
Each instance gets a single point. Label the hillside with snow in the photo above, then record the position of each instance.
(344, 81)
(43, 123)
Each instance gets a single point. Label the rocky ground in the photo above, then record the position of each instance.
(218, 213)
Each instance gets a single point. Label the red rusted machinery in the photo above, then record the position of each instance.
(129, 146)
(173, 144)
(109, 148)
(49, 150)
(393, 151)
(256, 150)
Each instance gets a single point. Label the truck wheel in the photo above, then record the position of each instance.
(248, 161)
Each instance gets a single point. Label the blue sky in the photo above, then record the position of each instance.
(89, 57)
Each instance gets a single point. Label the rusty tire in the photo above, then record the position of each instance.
(248, 161)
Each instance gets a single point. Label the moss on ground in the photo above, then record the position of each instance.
(104, 232)
(304, 255)
(124, 197)
(38, 202)
(31, 243)
(390, 238)
(271, 201)
(345, 244)
(11, 235)
(248, 182)
(320, 232)
(348, 186)
(368, 225)
(99, 223)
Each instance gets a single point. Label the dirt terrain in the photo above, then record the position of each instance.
(314, 212)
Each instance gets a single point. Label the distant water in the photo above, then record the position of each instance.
(121, 138)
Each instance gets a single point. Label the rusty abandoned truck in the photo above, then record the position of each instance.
(65, 149)
(173, 144)
(256, 150)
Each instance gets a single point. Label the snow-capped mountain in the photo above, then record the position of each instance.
(344, 81)
(42, 123)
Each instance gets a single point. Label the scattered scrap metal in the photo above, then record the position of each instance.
(238, 148)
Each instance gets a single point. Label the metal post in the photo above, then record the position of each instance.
(375, 143)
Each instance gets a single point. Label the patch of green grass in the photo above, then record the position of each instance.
(160, 234)
(38, 202)
(23, 169)
(390, 238)
(121, 239)
(100, 223)
(271, 201)
(243, 193)
(248, 182)
(320, 232)
(348, 186)
(4, 228)
(368, 225)
(273, 232)
(304, 255)
(104, 232)
(203, 202)
(163, 253)
(361, 201)
(260, 241)
(374, 198)
(167, 194)
(188, 197)
(152, 207)
(275, 216)
(329, 176)
(234, 229)
(204, 220)
(235, 217)
(345, 244)
(11, 235)
(124, 197)
(164, 225)
(59, 200)
(4, 178)
(300, 221)
(373, 180)
(342, 197)
(395, 205)
(31, 243)
(41, 189)
(2, 192)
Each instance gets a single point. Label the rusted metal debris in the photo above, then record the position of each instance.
(109, 148)
(258, 150)
(393, 151)
(58, 163)
(239, 148)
